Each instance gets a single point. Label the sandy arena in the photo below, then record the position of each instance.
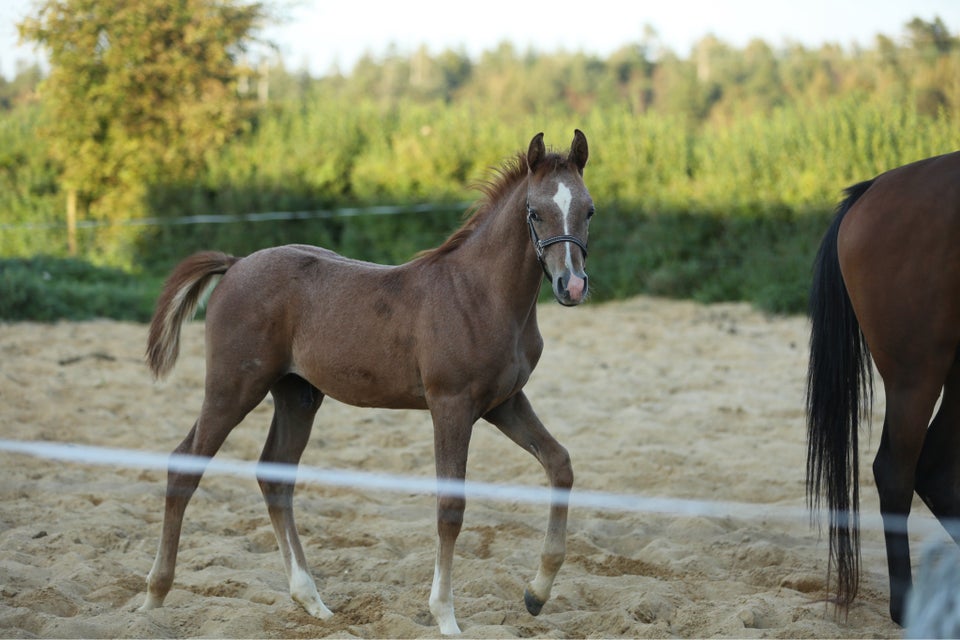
(655, 398)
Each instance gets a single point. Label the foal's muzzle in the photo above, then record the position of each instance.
(569, 287)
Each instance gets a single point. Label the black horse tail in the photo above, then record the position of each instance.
(839, 390)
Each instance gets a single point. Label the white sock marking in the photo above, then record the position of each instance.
(304, 590)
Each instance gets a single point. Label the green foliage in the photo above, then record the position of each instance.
(799, 158)
(28, 178)
(138, 91)
(714, 176)
(765, 261)
(46, 289)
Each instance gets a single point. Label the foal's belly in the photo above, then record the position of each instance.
(361, 386)
(374, 396)
(394, 387)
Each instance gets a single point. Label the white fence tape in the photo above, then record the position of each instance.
(266, 216)
(395, 483)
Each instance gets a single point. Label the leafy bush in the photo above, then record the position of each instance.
(730, 211)
(47, 289)
(706, 257)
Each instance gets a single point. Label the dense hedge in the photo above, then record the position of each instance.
(46, 289)
(704, 257)
(730, 212)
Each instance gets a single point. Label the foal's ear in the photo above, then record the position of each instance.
(536, 152)
(578, 150)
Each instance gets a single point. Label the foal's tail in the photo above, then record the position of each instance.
(178, 300)
(839, 389)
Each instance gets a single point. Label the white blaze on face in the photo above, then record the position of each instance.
(575, 285)
(564, 197)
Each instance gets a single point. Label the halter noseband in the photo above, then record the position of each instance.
(539, 245)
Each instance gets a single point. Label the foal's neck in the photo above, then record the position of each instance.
(500, 254)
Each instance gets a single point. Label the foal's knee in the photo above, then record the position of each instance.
(560, 468)
(450, 514)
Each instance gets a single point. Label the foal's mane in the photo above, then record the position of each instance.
(501, 182)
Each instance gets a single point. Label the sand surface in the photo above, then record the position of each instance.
(699, 405)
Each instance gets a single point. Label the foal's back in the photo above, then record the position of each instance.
(365, 334)
(346, 326)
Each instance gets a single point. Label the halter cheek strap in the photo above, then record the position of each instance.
(539, 245)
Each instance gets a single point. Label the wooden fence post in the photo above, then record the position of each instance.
(72, 222)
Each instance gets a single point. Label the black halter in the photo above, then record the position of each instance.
(539, 245)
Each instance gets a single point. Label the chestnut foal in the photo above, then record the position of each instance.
(453, 331)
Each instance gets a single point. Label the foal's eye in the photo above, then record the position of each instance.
(590, 213)
(533, 214)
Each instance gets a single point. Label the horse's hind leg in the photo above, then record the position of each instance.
(295, 404)
(938, 471)
(221, 412)
(517, 420)
(895, 468)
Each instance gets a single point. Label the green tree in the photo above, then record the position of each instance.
(23, 88)
(930, 39)
(456, 67)
(631, 70)
(138, 92)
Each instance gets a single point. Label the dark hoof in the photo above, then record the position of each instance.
(534, 604)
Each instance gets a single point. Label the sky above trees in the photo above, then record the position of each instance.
(318, 36)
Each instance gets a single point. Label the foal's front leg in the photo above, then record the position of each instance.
(517, 420)
(452, 429)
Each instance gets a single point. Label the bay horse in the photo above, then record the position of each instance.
(886, 283)
(453, 331)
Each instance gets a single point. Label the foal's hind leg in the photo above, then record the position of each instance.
(938, 471)
(224, 407)
(295, 404)
(516, 419)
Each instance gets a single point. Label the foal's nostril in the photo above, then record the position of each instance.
(570, 289)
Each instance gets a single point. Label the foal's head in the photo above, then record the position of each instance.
(559, 209)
